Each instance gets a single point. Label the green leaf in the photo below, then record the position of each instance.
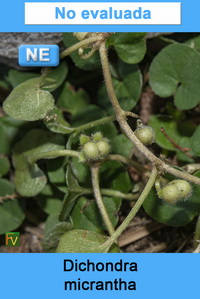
(4, 165)
(80, 217)
(113, 175)
(11, 211)
(87, 114)
(130, 47)
(5, 142)
(56, 169)
(58, 75)
(86, 215)
(30, 181)
(179, 131)
(194, 42)
(127, 88)
(71, 100)
(10, 131)
(173, 215)
(34, 142)
(175, 70)
(74, 192)
(196, 141)
(50, 200)
(121, 145)
(28, 101)
(53, 232)
(82, 172)
(16, 77)
(56, 123)
(82, 241)
(90, 114)
(89, 64)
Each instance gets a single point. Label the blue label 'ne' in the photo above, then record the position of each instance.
(38, 55)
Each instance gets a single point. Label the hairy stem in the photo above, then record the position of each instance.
(121, 118)
(80, 44)
(105, 247)
(115, 193)
(53, 154)
(112, 193)
(99, 200)
(95, 123)
(191, 168)
(141, 169)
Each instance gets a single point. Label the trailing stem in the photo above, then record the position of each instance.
(141, 169)
(111, 193)
(121, 118)
(99, 200)
(53, 154)
(105, 247)
(83, 43)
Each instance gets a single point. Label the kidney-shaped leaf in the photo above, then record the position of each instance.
(29, 182)
(78, 240)
(28, 101)
(130, 47)
(176, 70)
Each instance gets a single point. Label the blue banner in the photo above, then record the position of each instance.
(112, 16)
(95, 275)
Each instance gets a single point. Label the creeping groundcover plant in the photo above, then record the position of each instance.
(112, 131)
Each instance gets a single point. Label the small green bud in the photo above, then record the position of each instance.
(84, 139)
(80, 35)
(97, 137)
(145, 134)
(104, 147)
(80, 51)
(91, 151)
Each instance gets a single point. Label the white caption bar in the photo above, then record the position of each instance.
(102, 13)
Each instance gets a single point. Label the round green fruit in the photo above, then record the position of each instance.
(175, 191)
(145, 134)
(103, 147)
(91, 150)
(184, 187)
(169, 194)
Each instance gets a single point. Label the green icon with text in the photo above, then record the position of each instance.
(12, 239)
